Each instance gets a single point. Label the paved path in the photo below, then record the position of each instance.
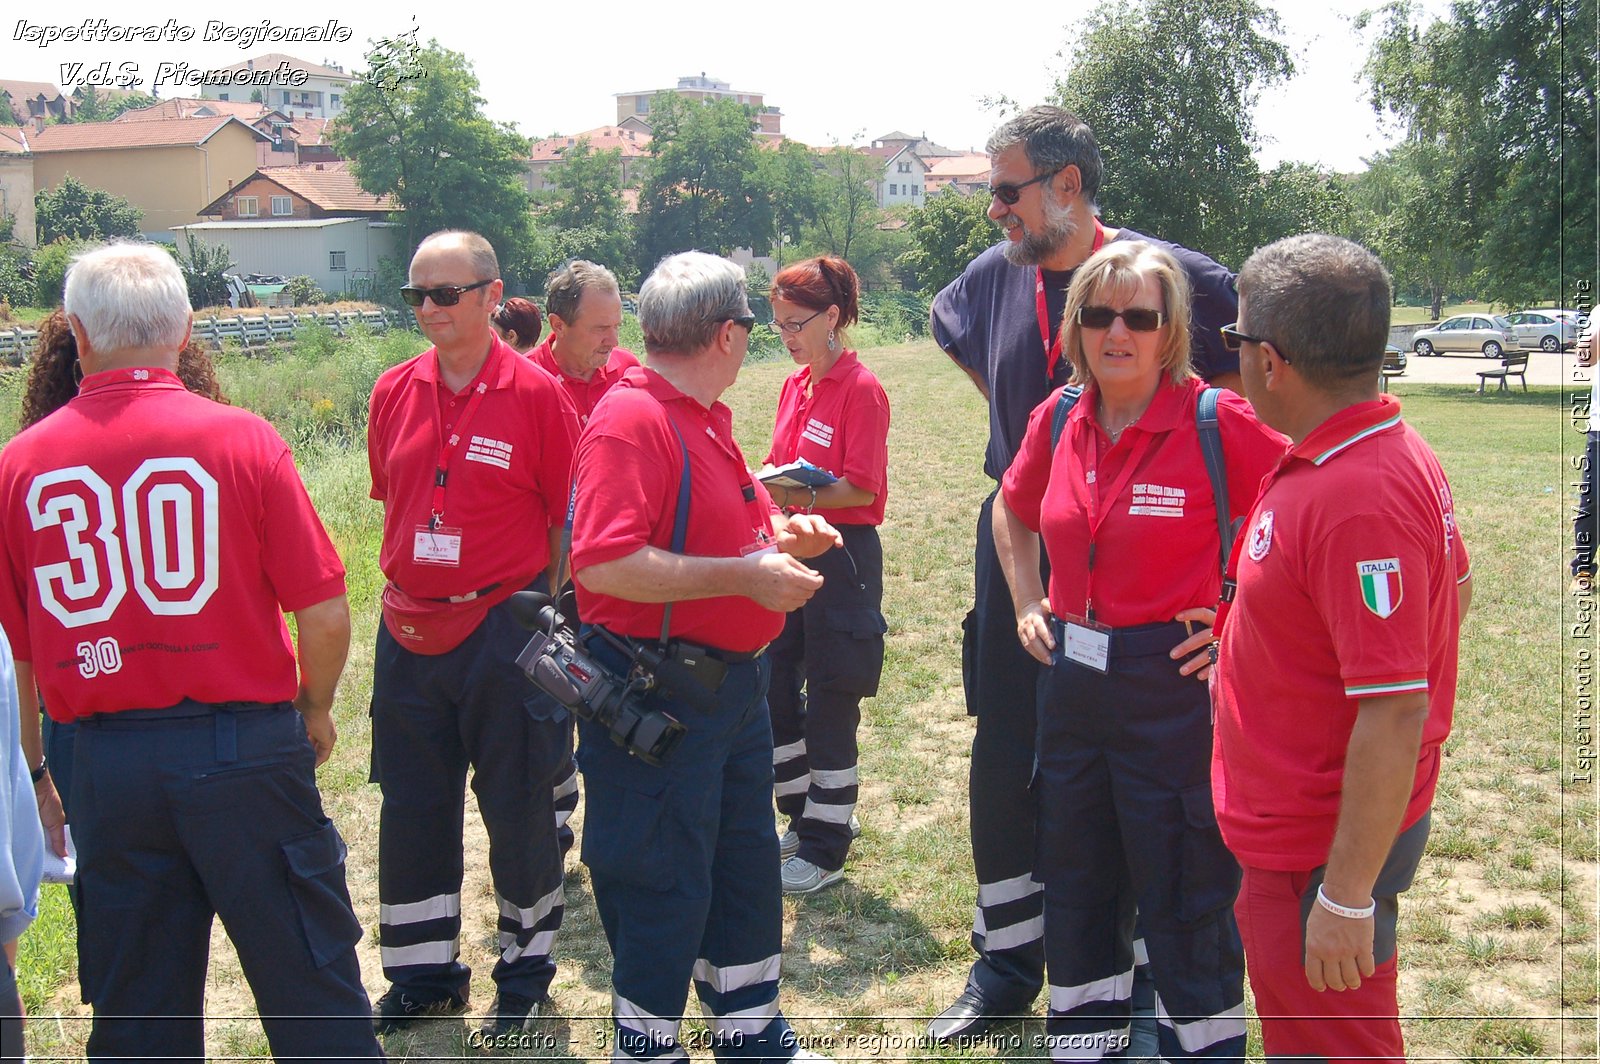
(1543, 368)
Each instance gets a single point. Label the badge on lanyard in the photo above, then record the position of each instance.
(1087, 642)
(436, 546)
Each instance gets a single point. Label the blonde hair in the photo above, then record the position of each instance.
(1119, 268)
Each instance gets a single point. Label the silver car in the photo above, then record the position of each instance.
(1543, 329)
(1467, 332)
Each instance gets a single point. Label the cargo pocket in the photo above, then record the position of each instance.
(855, 638)
(542, 707)
(1209, 879)
(625, 825)
(316, 883)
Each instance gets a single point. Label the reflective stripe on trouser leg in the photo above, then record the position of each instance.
(1000, 680)
(786, 705)
(419, 935)
(565, 799)
(530, 931)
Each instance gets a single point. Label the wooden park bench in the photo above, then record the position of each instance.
(1510, 366)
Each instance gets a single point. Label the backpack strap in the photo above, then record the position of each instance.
(1069, 399)
(1205, 419)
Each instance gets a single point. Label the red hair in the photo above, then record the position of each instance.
(819, 283)
(520, 316)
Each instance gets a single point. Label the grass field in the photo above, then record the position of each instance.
(1498, 935)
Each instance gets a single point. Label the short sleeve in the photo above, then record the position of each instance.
(866, 462)
(375, 449)
(953, 320)
(1025, 482)
(300, 560)
(620, 497)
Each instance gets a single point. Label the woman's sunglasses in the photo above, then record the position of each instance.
(447, 295)
(1137, 319)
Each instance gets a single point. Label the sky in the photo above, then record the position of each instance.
(840, 71)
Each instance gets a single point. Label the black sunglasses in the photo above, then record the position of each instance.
(747, 320)
(1008, 193)
(446, 295)
(1232, 339)
(1137, 319)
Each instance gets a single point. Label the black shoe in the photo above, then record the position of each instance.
(967, 1017)
(510, 1014)
(401, 1007)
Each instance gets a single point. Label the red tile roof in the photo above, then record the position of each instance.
(186, 107)
(329, 186)
(159, 133)
(601, 138)
(15, 140)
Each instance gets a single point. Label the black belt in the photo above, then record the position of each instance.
(686, 652)
(1136, 641)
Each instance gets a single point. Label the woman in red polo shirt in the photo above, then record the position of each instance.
(1124, 501)
(832, 413)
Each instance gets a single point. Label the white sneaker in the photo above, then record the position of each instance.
(789, 841)
(802, 877)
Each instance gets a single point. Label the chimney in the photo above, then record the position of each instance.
(320, 166)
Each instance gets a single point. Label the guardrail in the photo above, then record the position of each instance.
(252, 332)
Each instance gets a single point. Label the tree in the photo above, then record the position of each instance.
(203, 267)
(848, 211)
(946, 232)
(1294, 198)
(1428, 250)
(77, 212)
(1501, 95)
(89, 105)
(583, 217)
(791, 180)
(1168, 87)
(425, 141)
(704, 187)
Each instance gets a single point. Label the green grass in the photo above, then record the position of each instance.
(1499, 924)
(1424, 314)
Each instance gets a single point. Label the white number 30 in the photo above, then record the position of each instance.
(169, 508)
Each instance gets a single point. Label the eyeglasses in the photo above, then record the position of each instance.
(747, 320)
(1008, 193)
(446, 295)
(1232, 339)
(793, 327)
(1137, 319)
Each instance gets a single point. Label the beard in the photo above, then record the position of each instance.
(1037, 246)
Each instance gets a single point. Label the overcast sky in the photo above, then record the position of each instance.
(840, 71)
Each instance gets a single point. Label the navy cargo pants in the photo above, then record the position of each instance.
(684, 864)
(182, 813)
(1126, 825)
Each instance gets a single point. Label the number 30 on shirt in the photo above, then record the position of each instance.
(161, 525)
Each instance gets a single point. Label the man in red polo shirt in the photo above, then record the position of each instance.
(1337, 668)
(585, 309)
(682, 854)
(470, 446)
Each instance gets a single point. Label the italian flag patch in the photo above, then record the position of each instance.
(1380, 585)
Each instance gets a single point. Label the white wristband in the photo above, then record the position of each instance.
(1344, 910)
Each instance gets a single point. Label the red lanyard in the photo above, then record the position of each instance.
(447, 447)
(1053, 347)
(1088, 495)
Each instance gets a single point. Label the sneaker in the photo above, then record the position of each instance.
(802, 877)
(789, 841)
(400, 1007)
(510, 1014)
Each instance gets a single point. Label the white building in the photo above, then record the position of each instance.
(334, 252)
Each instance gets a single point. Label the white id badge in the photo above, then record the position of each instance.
(1087, 643)
(755, 549)
(436, 546)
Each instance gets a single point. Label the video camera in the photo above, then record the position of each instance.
(559, 666)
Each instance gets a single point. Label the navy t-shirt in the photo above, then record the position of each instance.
(987, 320)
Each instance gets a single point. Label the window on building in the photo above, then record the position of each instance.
(282, 205)
(905, 168)
(894, 190)
(333, 101)
(286, 97)
(248, 206)
(336, 260)
(222, 96)
(916, 190)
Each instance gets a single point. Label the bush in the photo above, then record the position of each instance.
(303, 292)
(17, 286)
(50, 269)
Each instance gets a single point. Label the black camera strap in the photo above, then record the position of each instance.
(680, 529)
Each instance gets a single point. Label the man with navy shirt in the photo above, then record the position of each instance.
(1000, 322)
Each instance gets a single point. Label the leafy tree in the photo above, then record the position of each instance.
(1428, 249)
(583, 217)
(948, 231)
(704, 186)
(89, 105)
(425, 141)
(1294, 198)
(1500, 95)
(849, 223)
(1168, 87)
(203, 267)
(50, 264)
(74, 211)
(791, 180)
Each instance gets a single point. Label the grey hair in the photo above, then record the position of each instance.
(1053, 138)
(567, 285)
(1324, 302)
(485, 263)
(128, 296)
(686, 299)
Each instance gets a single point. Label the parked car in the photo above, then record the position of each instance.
(1547, 330)
(1394, 360)
(1467, 332)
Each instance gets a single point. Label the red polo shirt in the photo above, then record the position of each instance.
(150, 540)
(507, 480)
(629, 467)
(584, 393)
(843, 427)
(1348, 571)
(1145, 503)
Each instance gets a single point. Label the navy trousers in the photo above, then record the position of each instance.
(183, 813)
(1126, 827)
(829, 657)
(433, 717)
(684, 865)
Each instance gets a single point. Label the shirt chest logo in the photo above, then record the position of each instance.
(1261, 537)
(489, 451)
(1157, 500)
(1380, 585)
(818, 433)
